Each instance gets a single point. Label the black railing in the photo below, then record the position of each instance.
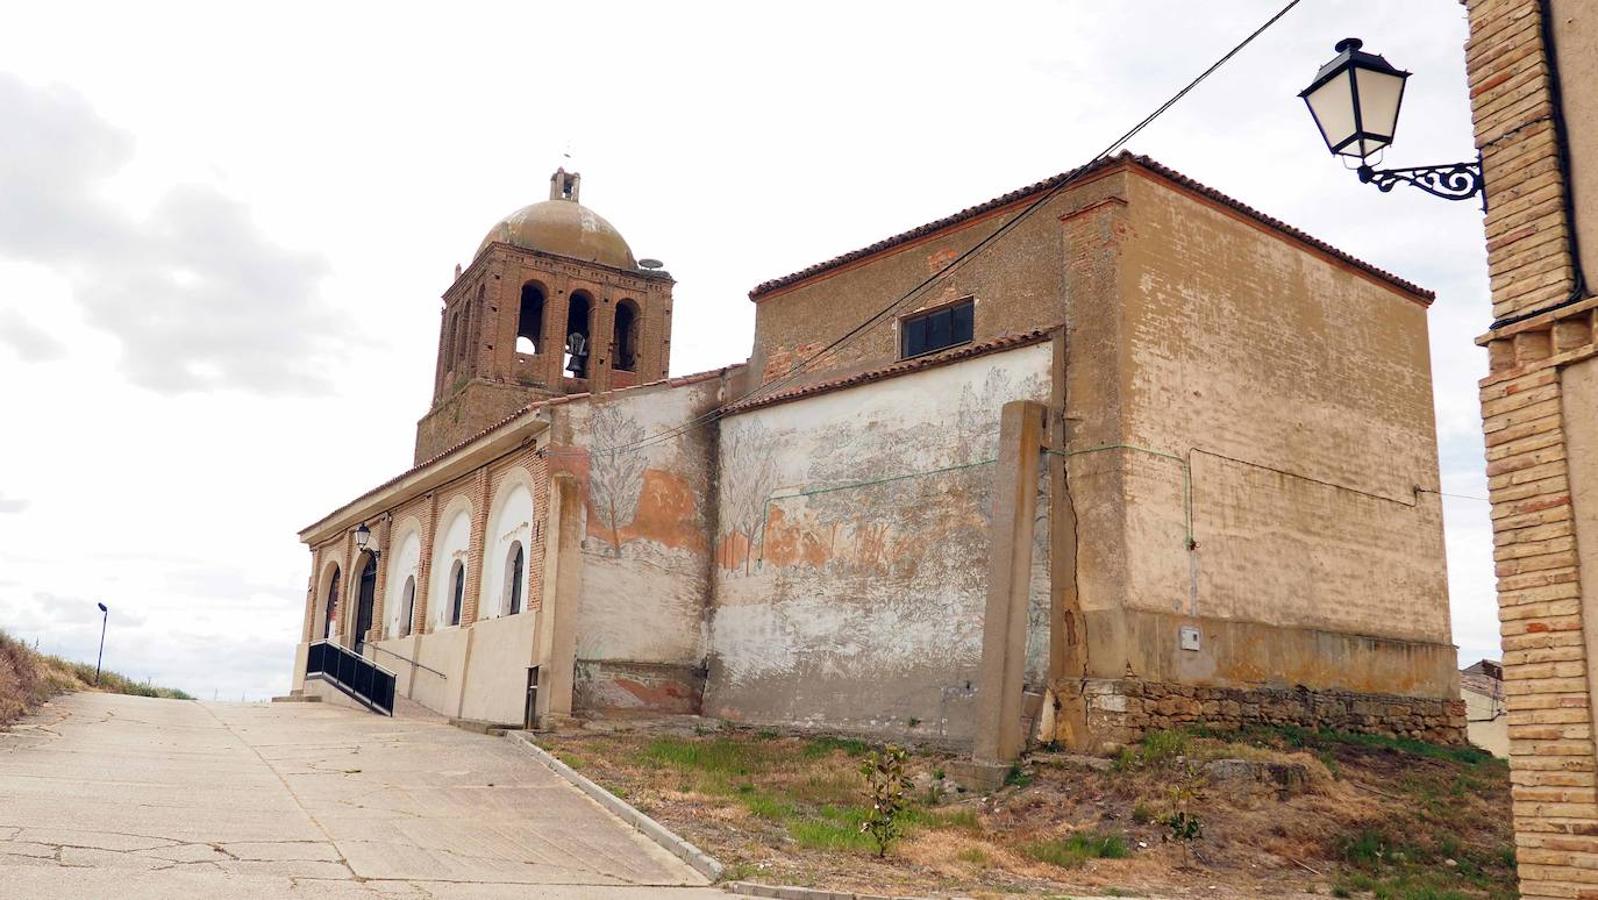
(362, 679)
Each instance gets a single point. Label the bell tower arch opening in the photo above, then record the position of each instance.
(624, 337)
(530, 319)
(579, 316)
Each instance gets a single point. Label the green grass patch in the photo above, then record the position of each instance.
(1075, 849)
(826, 834)
(826, 745)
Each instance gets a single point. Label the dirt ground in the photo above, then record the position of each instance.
(1279, 814)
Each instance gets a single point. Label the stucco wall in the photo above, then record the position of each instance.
(1576, 39)
(852, 555)
(645, 551)
(1488, 723)
(1016, 286)
(1291, 395)
(495, 687)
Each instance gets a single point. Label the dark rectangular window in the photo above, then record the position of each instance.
(946, 327)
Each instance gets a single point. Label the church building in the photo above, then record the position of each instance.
(1109, 453)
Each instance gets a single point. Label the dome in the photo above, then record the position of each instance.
(564, 227)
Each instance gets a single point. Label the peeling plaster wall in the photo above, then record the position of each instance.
(645, 549)
(851, 559)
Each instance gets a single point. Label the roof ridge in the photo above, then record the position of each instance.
(1123, 158)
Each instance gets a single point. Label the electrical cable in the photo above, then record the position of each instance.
(1004, 228)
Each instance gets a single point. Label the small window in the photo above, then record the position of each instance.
(928, 332)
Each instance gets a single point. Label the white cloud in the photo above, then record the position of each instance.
(197, 295)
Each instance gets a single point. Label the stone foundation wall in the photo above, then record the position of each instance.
(1120, 711)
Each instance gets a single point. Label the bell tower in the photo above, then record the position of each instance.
(553, 303)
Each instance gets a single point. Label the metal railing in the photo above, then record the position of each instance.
(407, 659)
(365, 681)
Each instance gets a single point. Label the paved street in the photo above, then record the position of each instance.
(104, 795)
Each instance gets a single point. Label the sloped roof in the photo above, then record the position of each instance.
(1123, 159)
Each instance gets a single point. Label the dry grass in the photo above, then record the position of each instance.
(1377, 819)
(28, 678)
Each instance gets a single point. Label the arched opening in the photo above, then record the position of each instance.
(463, 337)
(624, 344)
(330, 609)
(577, 335)
(516, 567)
(407, 607)
(457, 591)
(365, 601)
(452, 324)
(530, 320)
(451, 547)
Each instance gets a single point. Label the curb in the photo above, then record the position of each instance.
(751, 889)
(699, 860)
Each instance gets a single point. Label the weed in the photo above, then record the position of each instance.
(913, 721)
(819, 834)
(1077, 848)
(1017, 777)
(973, 855)
(767, 734)
(823, 746)
(1141, 814)
(937, 774)
(1159, 746)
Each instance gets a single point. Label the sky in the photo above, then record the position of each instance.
(225, 229)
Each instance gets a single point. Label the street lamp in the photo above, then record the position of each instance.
(363, 536)
(1354, 100)
(105, 614)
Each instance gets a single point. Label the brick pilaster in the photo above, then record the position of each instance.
(1547, 629)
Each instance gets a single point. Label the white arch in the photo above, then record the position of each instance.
(452, 543)
(404, 561)
(510, 522)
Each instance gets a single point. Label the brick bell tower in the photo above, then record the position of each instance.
(553, 303)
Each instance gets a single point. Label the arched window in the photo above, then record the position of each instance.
(457, 592)
(452, 324)
(577, 334)
(624, 346)
(530, 320)
(407, 606)
(517, 566)
(330, 615)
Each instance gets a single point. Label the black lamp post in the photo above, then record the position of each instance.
(105, 614)
(1354, 100)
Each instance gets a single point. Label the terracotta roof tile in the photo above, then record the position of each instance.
(903, 367)
(1124, 159)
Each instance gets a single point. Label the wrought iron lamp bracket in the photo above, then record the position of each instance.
(1454, 181)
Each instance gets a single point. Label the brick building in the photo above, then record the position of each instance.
(1152, 458)
(1533, 71)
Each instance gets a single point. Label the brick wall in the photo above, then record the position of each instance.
(1542, 339)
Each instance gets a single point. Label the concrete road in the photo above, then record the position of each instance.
(127, 797)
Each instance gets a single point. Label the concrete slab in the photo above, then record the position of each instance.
(106, 795)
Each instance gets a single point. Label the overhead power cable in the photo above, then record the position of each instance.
(992, 237)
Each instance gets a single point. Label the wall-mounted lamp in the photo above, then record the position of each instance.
(1354, 100)
(363, 536)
